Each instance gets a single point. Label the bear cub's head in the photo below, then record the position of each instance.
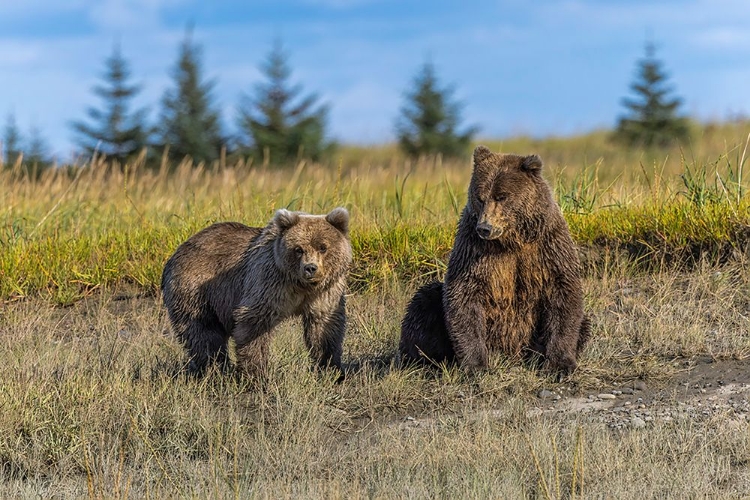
(313, 250)
(508, 197)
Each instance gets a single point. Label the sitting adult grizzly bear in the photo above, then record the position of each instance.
(513, 279)
(231, 280)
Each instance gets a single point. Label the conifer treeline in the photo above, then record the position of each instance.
(277, 123)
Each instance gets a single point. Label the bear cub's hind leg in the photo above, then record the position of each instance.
(205, 343)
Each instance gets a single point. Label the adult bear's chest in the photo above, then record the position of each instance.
(511, 287)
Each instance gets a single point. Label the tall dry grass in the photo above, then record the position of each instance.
(95, 405)
(76, 229)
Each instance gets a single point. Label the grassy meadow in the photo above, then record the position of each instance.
(93, 402)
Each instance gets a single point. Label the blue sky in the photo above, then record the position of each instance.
(541, 68)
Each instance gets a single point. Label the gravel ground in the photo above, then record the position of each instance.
(703, 390)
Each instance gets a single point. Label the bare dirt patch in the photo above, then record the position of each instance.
(701, 389)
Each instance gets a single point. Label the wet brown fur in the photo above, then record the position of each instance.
(513, 280)
(231, 280)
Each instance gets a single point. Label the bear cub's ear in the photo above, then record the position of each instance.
(284, 219)
(532, 163)
(339, 218)
(481, 153)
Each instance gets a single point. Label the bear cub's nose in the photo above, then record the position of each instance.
(310, 270)
(484, 230)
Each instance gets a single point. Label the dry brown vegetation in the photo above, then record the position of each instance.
(94, 404)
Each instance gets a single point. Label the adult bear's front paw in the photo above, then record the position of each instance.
(475, 359)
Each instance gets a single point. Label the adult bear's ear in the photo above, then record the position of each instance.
(532, 164)
(284, 219)
(339, 218)
(482, 164)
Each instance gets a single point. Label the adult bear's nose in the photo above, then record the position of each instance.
(484, 230)
(310, 270)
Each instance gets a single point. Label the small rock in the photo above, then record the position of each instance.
(545, 394)
(639, 385)
(410, 419)
(616, 393)
(638, 423)
(606, 396)
(628, 390)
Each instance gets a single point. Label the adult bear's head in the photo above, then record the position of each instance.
(509, 200)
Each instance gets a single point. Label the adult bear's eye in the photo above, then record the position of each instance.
(323, 249)
(500, 198)
(299, 251)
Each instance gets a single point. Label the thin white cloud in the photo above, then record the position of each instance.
(658, 15)
(128, 14)
(15, 9)
(15, 53)
(104, 14)
(724, 38)
(338, 4)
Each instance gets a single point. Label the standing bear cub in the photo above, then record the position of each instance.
(231, 280)
(513, 279)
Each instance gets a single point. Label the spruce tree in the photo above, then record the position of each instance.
(279, 125)
(429, 119)
(36, 154)
(190, 124)
(37, 151)
(11, 141)
(652, 119)
(114, 131)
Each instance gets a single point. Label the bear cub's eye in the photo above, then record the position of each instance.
(299, 251)
(500, 197)
(323, 249)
